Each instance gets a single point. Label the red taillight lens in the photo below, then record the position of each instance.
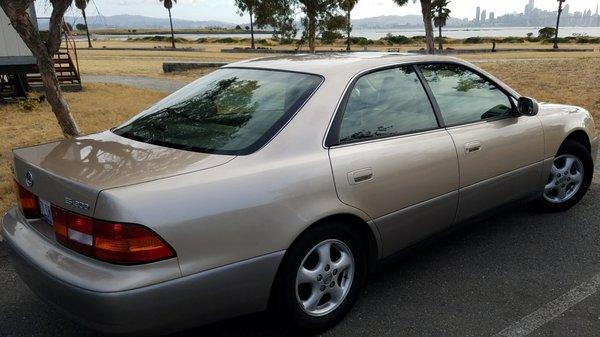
(110, 242)
(28, 202)
(128, 244)
(73, 230)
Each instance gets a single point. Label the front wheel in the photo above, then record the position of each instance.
(321, 276)
(570, 178)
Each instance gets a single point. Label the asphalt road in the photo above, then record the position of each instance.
(477, 281)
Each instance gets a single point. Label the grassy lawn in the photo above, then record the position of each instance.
(570, 78)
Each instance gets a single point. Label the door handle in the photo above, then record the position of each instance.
(471, 147)
(360, 176)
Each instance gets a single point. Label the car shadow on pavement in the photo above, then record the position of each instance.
(443, 286)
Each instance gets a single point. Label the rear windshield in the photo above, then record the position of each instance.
(231, 111)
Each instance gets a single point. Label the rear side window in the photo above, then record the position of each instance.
(386, 103)
(231, 111)
(463, 96)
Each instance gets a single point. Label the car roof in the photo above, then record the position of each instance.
(328, 64)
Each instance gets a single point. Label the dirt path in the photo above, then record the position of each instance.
(144, 82)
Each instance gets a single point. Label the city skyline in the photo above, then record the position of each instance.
(224, 10)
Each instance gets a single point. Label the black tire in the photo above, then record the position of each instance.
(578, 150)
(285, 303)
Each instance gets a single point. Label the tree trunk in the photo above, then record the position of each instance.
(56, 99)
(87, 29)
(426, 11)
(312, 31)
(44, 52)
(557, 24)
(349, 30)
(251, 10)
(172, 32)
(441, 41)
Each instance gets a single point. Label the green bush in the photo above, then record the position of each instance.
(512, 39)
(474, 40)
(226, 40)
(361, 41)
(202, 40)
(329, 37)
(546, 33)
(398, 39)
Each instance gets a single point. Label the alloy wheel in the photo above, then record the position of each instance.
(325, 277)
(566, 178)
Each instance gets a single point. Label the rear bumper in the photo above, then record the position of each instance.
(177, 304)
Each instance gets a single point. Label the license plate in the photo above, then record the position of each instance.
(45, 210)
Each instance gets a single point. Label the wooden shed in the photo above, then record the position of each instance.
(16, 60)
(18, 67)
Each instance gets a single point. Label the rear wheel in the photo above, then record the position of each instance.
(570, 178)
(321, 276)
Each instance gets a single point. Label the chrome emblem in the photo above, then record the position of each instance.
(28, 179)
(78, 204)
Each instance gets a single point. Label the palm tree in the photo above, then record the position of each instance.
(441, 13)
(426, 6)
(168, 5)
(348, 6)
(82, 4)
(560, 9)
(248, 6)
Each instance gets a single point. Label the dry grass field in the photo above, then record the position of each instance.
(572, 78)
(98, 107)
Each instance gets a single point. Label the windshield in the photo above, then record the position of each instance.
(231, 111)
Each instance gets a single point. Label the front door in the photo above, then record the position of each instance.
(500, 152)
(391, 159)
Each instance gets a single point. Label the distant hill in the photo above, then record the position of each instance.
(395, 21)
(145, 22)
(140, 22)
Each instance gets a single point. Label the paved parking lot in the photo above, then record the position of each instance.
(517, 273)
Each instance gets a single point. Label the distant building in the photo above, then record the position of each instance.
(478, 15)
(492, 16)
(483, 16)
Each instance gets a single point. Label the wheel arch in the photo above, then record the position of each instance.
(367, 231)
(580, 136)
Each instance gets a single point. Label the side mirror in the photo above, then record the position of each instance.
(527, 106)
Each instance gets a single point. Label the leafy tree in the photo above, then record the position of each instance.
(248, 6)
(348, 6)
(440, 14)
(44, 48)
(80, 26)
(168, 5)
(426, 6)
(82, 4)
(279, 15)
(318, 15)
(546, 33)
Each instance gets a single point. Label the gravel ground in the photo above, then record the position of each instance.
(144, 82)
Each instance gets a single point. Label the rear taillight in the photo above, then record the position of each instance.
(28, 202)
(110, 242)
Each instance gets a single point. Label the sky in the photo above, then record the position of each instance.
(224, 10)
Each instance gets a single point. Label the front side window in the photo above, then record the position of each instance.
(231, 111)
(463, 96)
(386, 103)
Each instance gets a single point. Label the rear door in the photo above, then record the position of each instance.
(391, 159)
(500, 152)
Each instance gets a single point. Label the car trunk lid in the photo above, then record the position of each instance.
(71, 173)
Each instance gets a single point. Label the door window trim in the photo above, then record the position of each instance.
(331, 138)
(333, 132)
(511, 98)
